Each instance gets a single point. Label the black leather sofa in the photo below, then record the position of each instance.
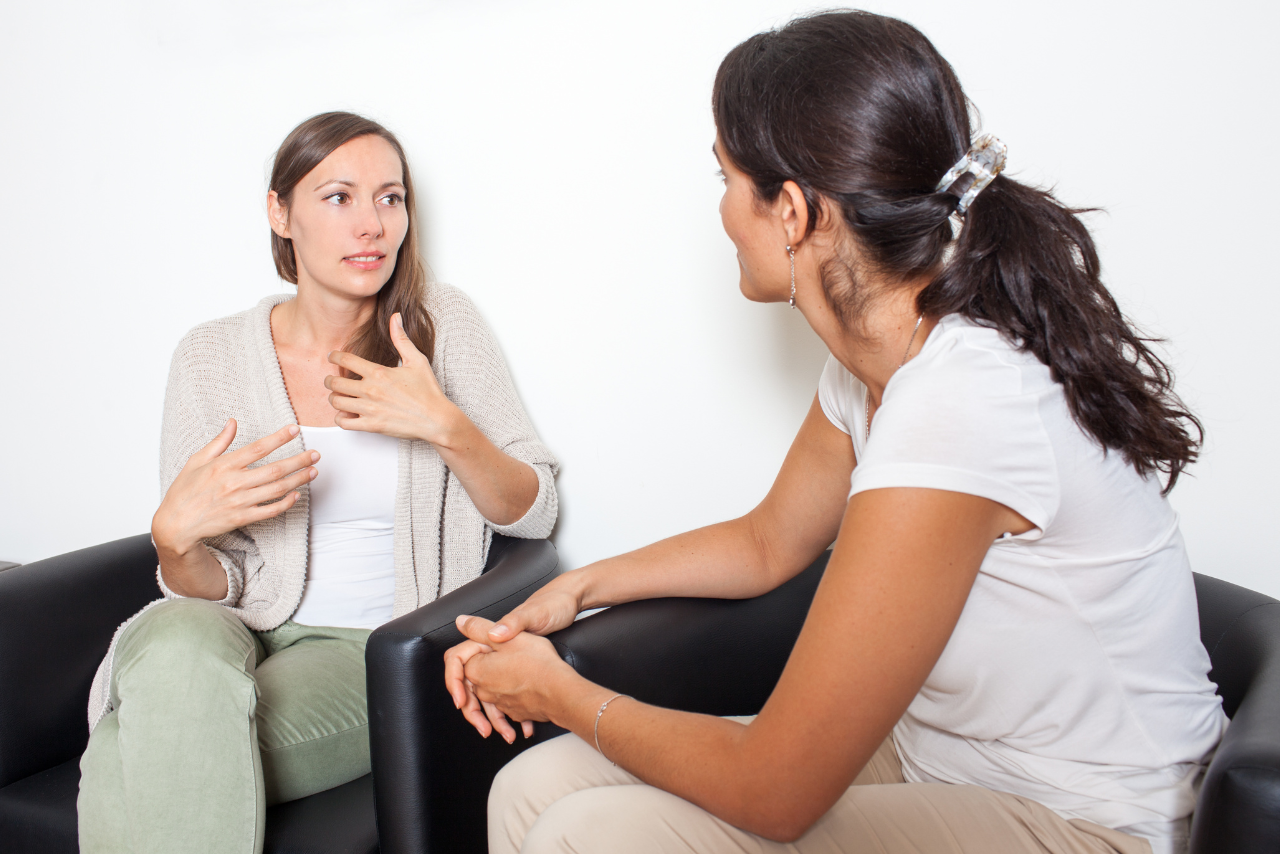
(724, 657)
(57, 617)
(431, 771)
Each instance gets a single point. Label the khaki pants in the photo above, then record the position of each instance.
(563, 796)
(212, 724)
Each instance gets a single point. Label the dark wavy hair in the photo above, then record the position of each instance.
(302, 150)
(864, 114)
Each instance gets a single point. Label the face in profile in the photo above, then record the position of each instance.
(763, 264)
(347, 218)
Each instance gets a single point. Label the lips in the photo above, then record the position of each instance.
(367, 261)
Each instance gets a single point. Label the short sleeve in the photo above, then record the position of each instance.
(966, 416)
(836, 394)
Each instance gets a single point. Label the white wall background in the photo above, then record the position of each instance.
(562, 149)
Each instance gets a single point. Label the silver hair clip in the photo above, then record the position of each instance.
(985, 159)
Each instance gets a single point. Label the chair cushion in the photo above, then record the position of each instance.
(38, 816)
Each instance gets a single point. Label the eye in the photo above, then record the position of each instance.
(392, 200)
(337, 198)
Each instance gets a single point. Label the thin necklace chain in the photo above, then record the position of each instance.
(866, 392)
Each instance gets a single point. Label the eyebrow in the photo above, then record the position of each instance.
(345, 183)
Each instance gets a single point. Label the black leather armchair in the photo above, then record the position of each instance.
(57, 617)
(724, 657)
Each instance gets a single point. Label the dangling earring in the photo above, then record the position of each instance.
(792, 253)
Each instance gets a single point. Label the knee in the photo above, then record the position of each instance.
(186, 633)
(606, 818)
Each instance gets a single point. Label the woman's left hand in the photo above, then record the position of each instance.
(490, 681)
(405, 402)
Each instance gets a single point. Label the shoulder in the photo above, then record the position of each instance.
(969, 368)
(227, 339)
(449, 305)
(461, 333)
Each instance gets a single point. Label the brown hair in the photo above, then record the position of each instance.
(302, 150)
(863, 113)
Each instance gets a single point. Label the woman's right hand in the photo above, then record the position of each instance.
(552, 608)
(217, 492)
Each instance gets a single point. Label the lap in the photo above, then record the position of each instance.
(302, 686)
(563, 796)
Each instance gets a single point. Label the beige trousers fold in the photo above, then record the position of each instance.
(563, 796)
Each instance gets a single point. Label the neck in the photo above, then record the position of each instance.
(881, 340)
(319, 319)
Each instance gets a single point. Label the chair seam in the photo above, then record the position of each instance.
(1237, 619)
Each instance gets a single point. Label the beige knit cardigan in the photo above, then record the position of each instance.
(228, 369)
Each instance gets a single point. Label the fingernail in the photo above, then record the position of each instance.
(500, 632)
(293, 429)
(311, 475)
(228, 424)
(314, 456)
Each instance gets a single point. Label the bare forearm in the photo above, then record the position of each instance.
(704, 759)
(501, 487)
(728, 560)
(192, 572)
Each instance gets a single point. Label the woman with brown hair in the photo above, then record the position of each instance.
(328, 462)
(1003, 654)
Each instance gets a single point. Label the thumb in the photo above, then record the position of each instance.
(509, 626)
(220, 443)
(403, 343)
(473, 628)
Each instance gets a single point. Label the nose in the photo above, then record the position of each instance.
(369, 223)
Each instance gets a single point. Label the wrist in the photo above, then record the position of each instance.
(448, 431)
(167, 543)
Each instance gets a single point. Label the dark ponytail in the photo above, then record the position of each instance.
(862, 112)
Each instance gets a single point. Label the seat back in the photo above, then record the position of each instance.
(1238, 811)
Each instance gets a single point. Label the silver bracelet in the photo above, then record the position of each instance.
(604, 706)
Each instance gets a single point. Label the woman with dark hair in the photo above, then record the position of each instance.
(328, 462)
(1003, 654)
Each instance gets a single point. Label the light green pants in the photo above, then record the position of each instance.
(212, 724)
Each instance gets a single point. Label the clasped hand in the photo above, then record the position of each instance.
(506, 669)
(405, 402)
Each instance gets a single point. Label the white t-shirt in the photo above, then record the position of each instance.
(350, 564)
(1075, 675)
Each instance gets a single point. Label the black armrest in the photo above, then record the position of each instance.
(715, 656)
(1239, 806)
(431, 770)
(57, 617)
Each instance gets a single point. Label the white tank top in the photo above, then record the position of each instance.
(350, 564)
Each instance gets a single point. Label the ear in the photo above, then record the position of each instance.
(793, 212)
(277, 214)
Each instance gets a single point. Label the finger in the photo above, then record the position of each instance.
(220, 443)
(455, 661)
(526, 727)
(279, 488)
(500, 723)
(347, 421)
(344, 385)
(475, 628)
(353, 363)
(474, 714)
(274, 471)
(265, 511)
(346, 403)
(403, 343)
(260, 448)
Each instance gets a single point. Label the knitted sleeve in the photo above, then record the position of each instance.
(474, 374)
(188, 426)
